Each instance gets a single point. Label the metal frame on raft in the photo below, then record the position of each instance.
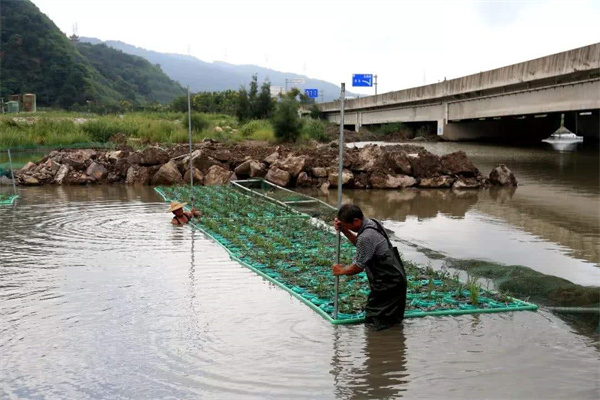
(517, 305)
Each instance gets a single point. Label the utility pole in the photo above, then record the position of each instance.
(322, 94)
(375, 84)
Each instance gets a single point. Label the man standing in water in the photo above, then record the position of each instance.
(182, 217)
(380, 260)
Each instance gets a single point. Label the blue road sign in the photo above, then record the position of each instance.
(311, 93)
(364, 80)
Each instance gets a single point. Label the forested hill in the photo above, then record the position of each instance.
(203, 76)
(36, 57)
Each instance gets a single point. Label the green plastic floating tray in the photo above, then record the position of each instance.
(210, 201)
(8, 200)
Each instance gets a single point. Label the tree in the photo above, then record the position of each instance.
(315, 113)
(286, 121)
(264, 104)
(242, 109)
(252, 96)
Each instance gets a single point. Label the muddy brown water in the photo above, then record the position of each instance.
(102, 298)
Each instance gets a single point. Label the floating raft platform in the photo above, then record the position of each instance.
(262, 227)
(8, 200)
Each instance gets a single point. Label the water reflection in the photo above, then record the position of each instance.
(376, 369)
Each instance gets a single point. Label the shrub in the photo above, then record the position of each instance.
(315, 113)
(286, 122)
(100, 130)
(395, 127)
(251, 127)
(199, 122)
(314, 129)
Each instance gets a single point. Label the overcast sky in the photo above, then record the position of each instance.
(406, 43)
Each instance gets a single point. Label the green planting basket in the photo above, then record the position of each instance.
(295, 252)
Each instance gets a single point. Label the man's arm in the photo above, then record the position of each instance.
(353, 269)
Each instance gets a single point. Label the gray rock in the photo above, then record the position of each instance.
(390, 181)
(320, 172)
(278, 176)
(368, 158)
(466, 183)
(217, 176)
(137, 174)
(347, 177)
(29, 180)
(304, 180)
(198, 177)
(5, 181)
(154, 156)
(168, 174)
(96, 171)
(62, 173)
(443, 181)
(272, 158)
(502, 176)
(293, 165)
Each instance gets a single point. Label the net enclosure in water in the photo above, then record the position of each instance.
(273, 232)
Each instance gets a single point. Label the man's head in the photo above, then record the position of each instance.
(177, 208)
(351, 217)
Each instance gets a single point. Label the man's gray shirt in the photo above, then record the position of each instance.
(368, 244)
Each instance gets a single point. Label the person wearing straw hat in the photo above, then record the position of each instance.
(381, 261)
(182, 217)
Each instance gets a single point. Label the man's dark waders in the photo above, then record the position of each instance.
(387, 279)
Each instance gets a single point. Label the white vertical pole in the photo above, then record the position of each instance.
(12, 174)
(340, 178)
(190, 139)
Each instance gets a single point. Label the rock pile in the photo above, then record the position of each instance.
(213, 163)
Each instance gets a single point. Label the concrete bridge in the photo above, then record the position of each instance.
(520, 99)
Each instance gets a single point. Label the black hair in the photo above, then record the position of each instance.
(349, 212)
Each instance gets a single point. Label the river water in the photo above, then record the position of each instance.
(102, 298)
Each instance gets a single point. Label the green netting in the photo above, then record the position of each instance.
(10, 199)
(296, 253)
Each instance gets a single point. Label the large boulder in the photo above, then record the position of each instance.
(217, 176)
(437, 182)
(398, 162)
(292, 164)
(51, 166)
(202, 161)
(168, 174)
(96, 171)
(272, 158)
(29, 180)
(75, 177)
(347, 177)
(278, 176)
(5, 181)
(304, 180)
(78, 160)
(457, 163)
(137, 174)
(134, 158)
(502, 176)
(369, 157)
(222, 155)
(62, 173)
(425, 165)
(198, 177)
(27, 167)
(466, 183)
(391, 181)
(154, 156)
(251, 168)
(320, 172)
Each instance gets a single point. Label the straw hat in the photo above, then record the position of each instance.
(176, 206)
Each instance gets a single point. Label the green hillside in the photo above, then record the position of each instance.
(133, 77)
(36, 57)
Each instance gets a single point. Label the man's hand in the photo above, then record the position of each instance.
(196, 213)
(338, 269)
(338, 225)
